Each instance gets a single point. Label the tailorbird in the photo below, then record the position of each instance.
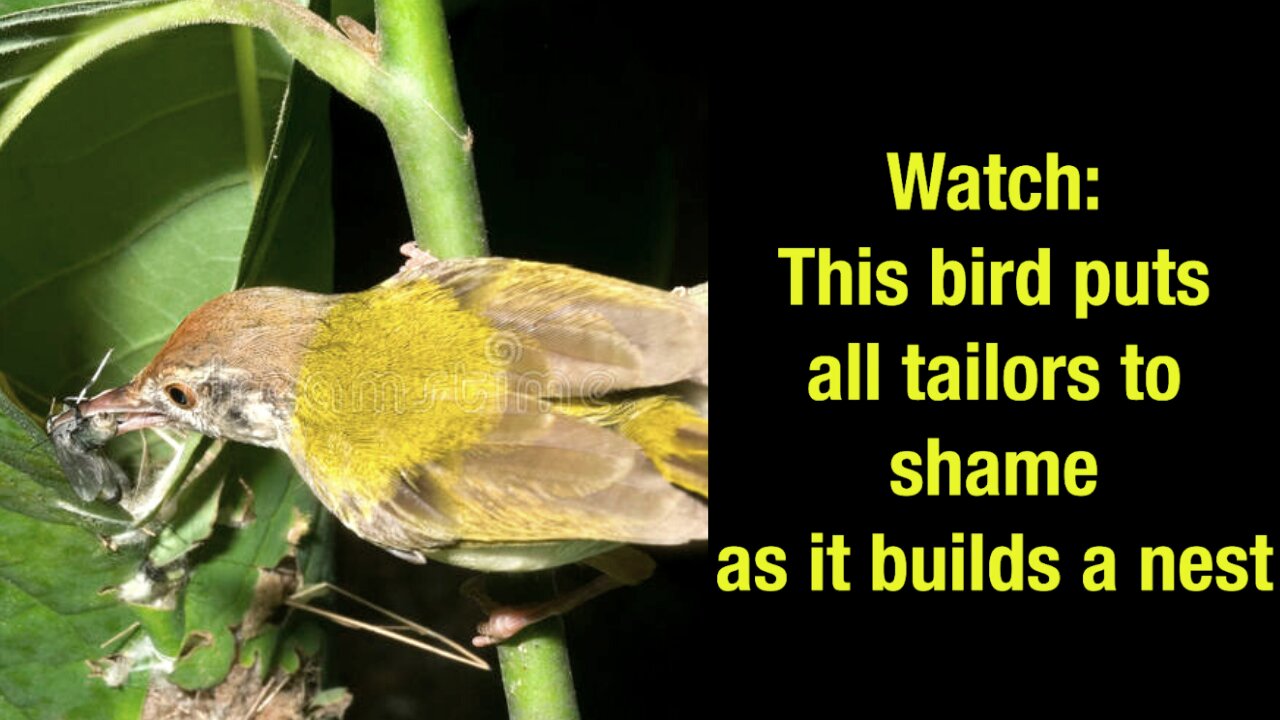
(490, 413)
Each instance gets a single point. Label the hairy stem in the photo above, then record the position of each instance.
(536, 673)
(315, 43)
(428, 133)
(433, 151)
(255, 144)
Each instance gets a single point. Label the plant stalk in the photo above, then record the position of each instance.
(306, 36)
(432, 146)
(428, 132)
(536, 673)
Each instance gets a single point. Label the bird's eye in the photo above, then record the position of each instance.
(181, 395)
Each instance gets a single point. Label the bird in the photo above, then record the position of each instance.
(496, 414)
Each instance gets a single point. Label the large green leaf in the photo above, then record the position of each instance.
(127, 198)
(53, 617)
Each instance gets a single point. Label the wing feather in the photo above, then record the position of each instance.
(591, 333)
(540, 473)
(555, 478)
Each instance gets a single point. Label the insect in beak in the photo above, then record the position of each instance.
(132, 412)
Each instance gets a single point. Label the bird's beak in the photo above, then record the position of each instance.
(134, 412)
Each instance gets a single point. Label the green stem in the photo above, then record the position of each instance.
(428, 133)
(536, 674)
(255, 144)
(432, 146)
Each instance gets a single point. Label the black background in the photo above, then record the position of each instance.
(594, 148)
(1180, 136)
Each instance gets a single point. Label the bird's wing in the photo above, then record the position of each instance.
(540, 476)
(590, 334)
(540, 473)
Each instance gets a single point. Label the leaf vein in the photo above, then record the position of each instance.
(163, 218)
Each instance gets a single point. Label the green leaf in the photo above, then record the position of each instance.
(53, 616)
(291, 240)
(227, 568)
(128, 198)
(192, 525)
(34, 48)
(40, 15)
(270, 652)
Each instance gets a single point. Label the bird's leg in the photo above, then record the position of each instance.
(505, 622)
(619, 567)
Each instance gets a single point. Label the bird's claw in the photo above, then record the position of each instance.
(415, 256)
(504, 624)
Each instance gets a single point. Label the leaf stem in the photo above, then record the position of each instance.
(428, 133)
(314, 42)
(255, 146)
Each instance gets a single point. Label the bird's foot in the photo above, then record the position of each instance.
(506, 621)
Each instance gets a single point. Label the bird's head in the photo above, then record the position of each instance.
(228, 371)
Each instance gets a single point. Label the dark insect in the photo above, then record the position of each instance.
(77, 445)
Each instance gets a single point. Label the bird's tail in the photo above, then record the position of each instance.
(670, 432)
(674, 437)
